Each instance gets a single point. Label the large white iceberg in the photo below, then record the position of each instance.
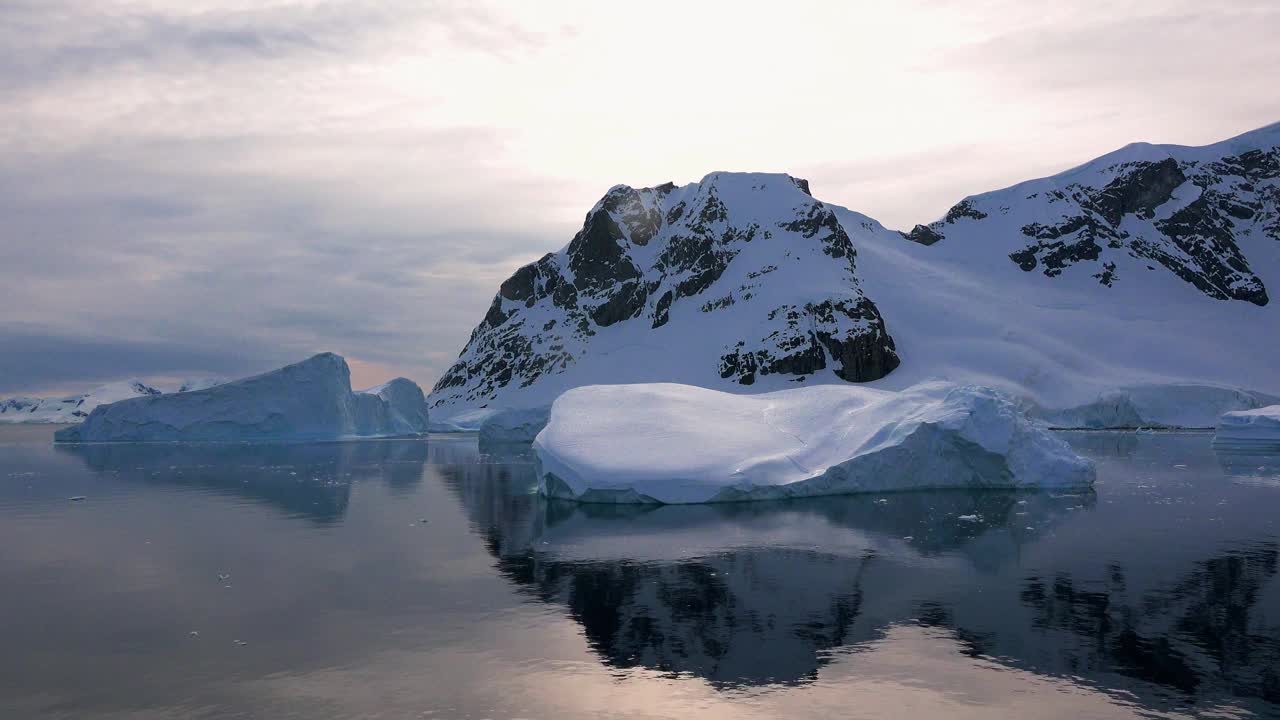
(309, 400)
(666, 443)
(1250, 429)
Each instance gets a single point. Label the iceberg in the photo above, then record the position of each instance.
(671, 444)
(309, 400)
(1250, 429)
(406, 404)
(514, 426)
(1173, 405)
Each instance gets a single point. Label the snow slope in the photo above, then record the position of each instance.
(71, 409)
(201, 383)
(1157, 329)
(1250, 429)
(309, 400)
(671, 443)
(1134, 290)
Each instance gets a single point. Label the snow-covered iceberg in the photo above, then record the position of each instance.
(309, 400)
(1250, 429)
(73, 408)
(406, 404)
(667, 443)
(514, 426)
(1180, 405)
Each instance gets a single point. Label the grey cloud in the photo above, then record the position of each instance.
(101, 243)
(35, 359)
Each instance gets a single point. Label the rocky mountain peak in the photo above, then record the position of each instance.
(644, 256)
(1185, 210)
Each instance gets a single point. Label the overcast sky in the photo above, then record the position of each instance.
(193, 187)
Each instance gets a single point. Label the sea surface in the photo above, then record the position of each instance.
(426, 579)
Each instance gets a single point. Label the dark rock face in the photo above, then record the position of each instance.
(923, 234)
(1197, 241)
(1186, 212)
(933, 232)
(644, 255)
(848, 337)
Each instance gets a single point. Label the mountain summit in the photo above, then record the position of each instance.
(739, 276)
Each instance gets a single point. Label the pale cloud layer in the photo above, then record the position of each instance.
(195, 187)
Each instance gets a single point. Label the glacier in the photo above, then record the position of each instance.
(309, 400)
(1257, 429)
(674, 444)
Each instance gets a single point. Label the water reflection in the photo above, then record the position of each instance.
(768, 593)
(1204, 633)
(311, 480)
(1257, 468)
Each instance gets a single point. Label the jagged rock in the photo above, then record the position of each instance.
(671, 283)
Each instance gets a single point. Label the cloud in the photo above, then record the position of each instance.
(279, 177)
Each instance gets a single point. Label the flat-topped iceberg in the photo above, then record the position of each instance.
(1250, 429)
(309, 400)
(666, 443)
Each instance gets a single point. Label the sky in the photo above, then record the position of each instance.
(199, 187)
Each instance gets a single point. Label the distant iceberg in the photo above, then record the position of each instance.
(1250, 429)
(310, 400)
(514, 426)
(406, 405)
(666, 443)
(1175, 405)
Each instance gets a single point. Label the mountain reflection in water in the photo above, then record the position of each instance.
(353, 572)
(768, 593)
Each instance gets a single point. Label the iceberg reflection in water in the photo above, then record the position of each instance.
(1177, 610)
(399, 577)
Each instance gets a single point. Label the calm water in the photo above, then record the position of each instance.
(406, 579)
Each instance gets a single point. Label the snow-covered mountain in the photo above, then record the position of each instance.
(73, 408)
(742, 278)
(1130, 290)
